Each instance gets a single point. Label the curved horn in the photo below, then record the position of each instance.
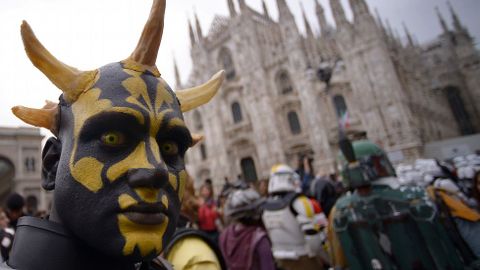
(147, 49)
(45, 117)
(197, 96)
(68, 79)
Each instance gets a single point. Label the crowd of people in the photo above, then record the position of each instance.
(283, 222)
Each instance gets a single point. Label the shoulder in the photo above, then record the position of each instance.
(302, 205)
(189, 249)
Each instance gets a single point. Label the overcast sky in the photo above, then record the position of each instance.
(88, 34)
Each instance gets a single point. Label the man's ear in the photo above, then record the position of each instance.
(196, 138)
(50, 158)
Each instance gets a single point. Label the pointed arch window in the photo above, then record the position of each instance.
(340, 105)
(237, 112)
(226, 62)
(459, 112)
(294, 123)
(203, 152)
(283, 82)
(248, 169)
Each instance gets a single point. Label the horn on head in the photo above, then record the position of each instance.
(147, 48)
(70, 80)
(197, 96)
(45, 117)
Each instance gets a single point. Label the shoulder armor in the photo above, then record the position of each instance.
(277, 203)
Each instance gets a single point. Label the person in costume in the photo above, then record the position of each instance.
(244, 242)
(290, 221)
(380, 225)
(458, 216)
(190, 248)
(116, 163)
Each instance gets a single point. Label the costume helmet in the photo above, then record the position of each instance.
(363, 162)
(283, 179)
(244, 204)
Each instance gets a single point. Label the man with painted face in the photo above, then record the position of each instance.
(116, 163)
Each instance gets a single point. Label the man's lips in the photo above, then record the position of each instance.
(146, 213)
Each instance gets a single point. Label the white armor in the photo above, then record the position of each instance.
(283, 179)
(287, 231)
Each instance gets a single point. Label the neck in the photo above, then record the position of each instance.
(49, 244)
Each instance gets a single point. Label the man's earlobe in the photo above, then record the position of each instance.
(50, 158)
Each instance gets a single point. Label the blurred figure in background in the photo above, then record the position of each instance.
(207, 213)
(305, 172)
(458, 216)
(476, 189)
(190, 248)
(6, 236)
(31, 206)
(190, 205)
(323, 190)
(289, 219)
(15, 204)
(244, 243)
(263, 188)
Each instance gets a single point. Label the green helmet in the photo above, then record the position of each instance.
(367, 163)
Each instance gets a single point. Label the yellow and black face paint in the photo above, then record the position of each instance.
(128, 140)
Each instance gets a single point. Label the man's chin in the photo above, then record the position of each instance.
(143, 239)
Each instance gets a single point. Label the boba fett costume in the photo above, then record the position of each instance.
(380, 225)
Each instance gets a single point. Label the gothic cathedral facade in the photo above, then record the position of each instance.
(275, 105)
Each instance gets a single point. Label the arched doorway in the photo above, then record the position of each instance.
(7, 173)
(248, 169)
(459, 112)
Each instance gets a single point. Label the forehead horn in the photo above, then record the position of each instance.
(146, 54)
(70, 80)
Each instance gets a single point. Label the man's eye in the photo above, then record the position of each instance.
(169, 148)
(113, 138)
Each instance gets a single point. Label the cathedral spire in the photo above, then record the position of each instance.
(178, 81)
(308, 29)
(442, 20)
(265, 9)
(242, 4)
(231, 8)
(359, 8)
(283, 10)
(198, 27)
(338, 13)
(409, 36)
(456, 21)
(322, 20)
(192, 34)
(389, 29)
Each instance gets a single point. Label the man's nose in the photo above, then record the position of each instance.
(148, 178)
